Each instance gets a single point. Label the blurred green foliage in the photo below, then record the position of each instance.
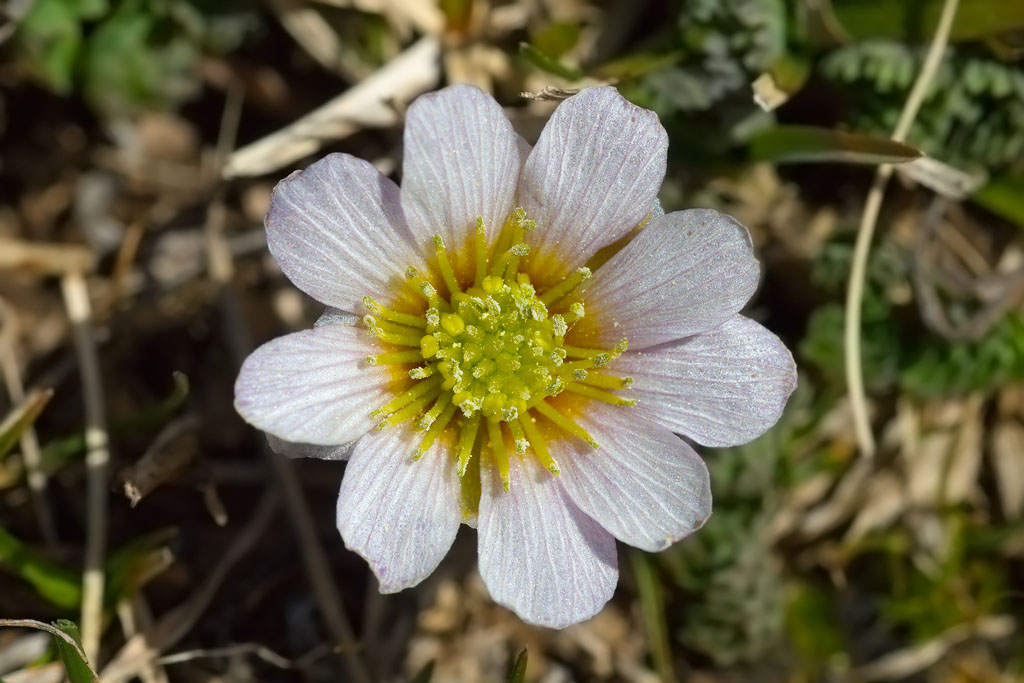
(129, 55)
(897, 350)
(972, 116)
(717, 48)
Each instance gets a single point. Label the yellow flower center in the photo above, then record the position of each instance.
(489, 356)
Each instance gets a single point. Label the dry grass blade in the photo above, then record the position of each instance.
(370, 104)
(900, 664)
(45, 259)
(31, 454)
(21, 417)
(159, 462)
(261, 651)
(97, 460)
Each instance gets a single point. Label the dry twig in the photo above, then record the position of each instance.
(872, 207)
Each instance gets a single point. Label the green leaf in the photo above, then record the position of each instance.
(788, 144)
(518, 672)
(637, 65)
(1004, 196)
(546, 62)
(652, 607)
(67, 638)
(915, 21)
(557, 38)
(21, 417)
(74, 663)
(52, 581)
(142, 56)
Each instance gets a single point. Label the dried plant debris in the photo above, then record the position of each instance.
(122, 170)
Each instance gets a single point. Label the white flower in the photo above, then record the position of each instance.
(476, 354)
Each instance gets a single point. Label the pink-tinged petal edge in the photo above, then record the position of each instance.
(314, 386)
(461, 162)
(338, 232)
(540, 555)
(401, 515)
(721, 388)
(591, 178)
(685, 273)
(644, 484)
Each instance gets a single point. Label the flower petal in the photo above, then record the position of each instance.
(685, 273)
(540, 556)
(721, 388)
(461, 162)
(314, 386)
(337, 231)
(290, 449)
(643, 484)
(400, 514)
(591, 178)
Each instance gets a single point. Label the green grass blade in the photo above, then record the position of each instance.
(652, 606)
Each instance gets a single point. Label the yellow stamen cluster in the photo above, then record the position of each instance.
(490, 355)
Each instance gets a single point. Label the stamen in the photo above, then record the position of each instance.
(480, 245)
(372, 324)
(396, 358)
(575, 313)
(424, 372)
(446, 267)
(490, 352)
(565, 286)
(598, 379)
(564, 422)
(411, 410)
(582, 351)
(506, 259)
(434, 431)
(393, 316)
(599, 394)
(498, 451)
(540, 448)
(467, 437)
(522, 443)
(435, 411)
(406, 397)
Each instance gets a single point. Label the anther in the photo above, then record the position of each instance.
(565, 286)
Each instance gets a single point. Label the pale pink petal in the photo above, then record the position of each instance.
(591, 178)
(721, 388)
(686, 272)
(643, 484)
(540, 555)
(400, 514)
(314, 386)
(291, 449)
(461, 163)
(337, 231)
